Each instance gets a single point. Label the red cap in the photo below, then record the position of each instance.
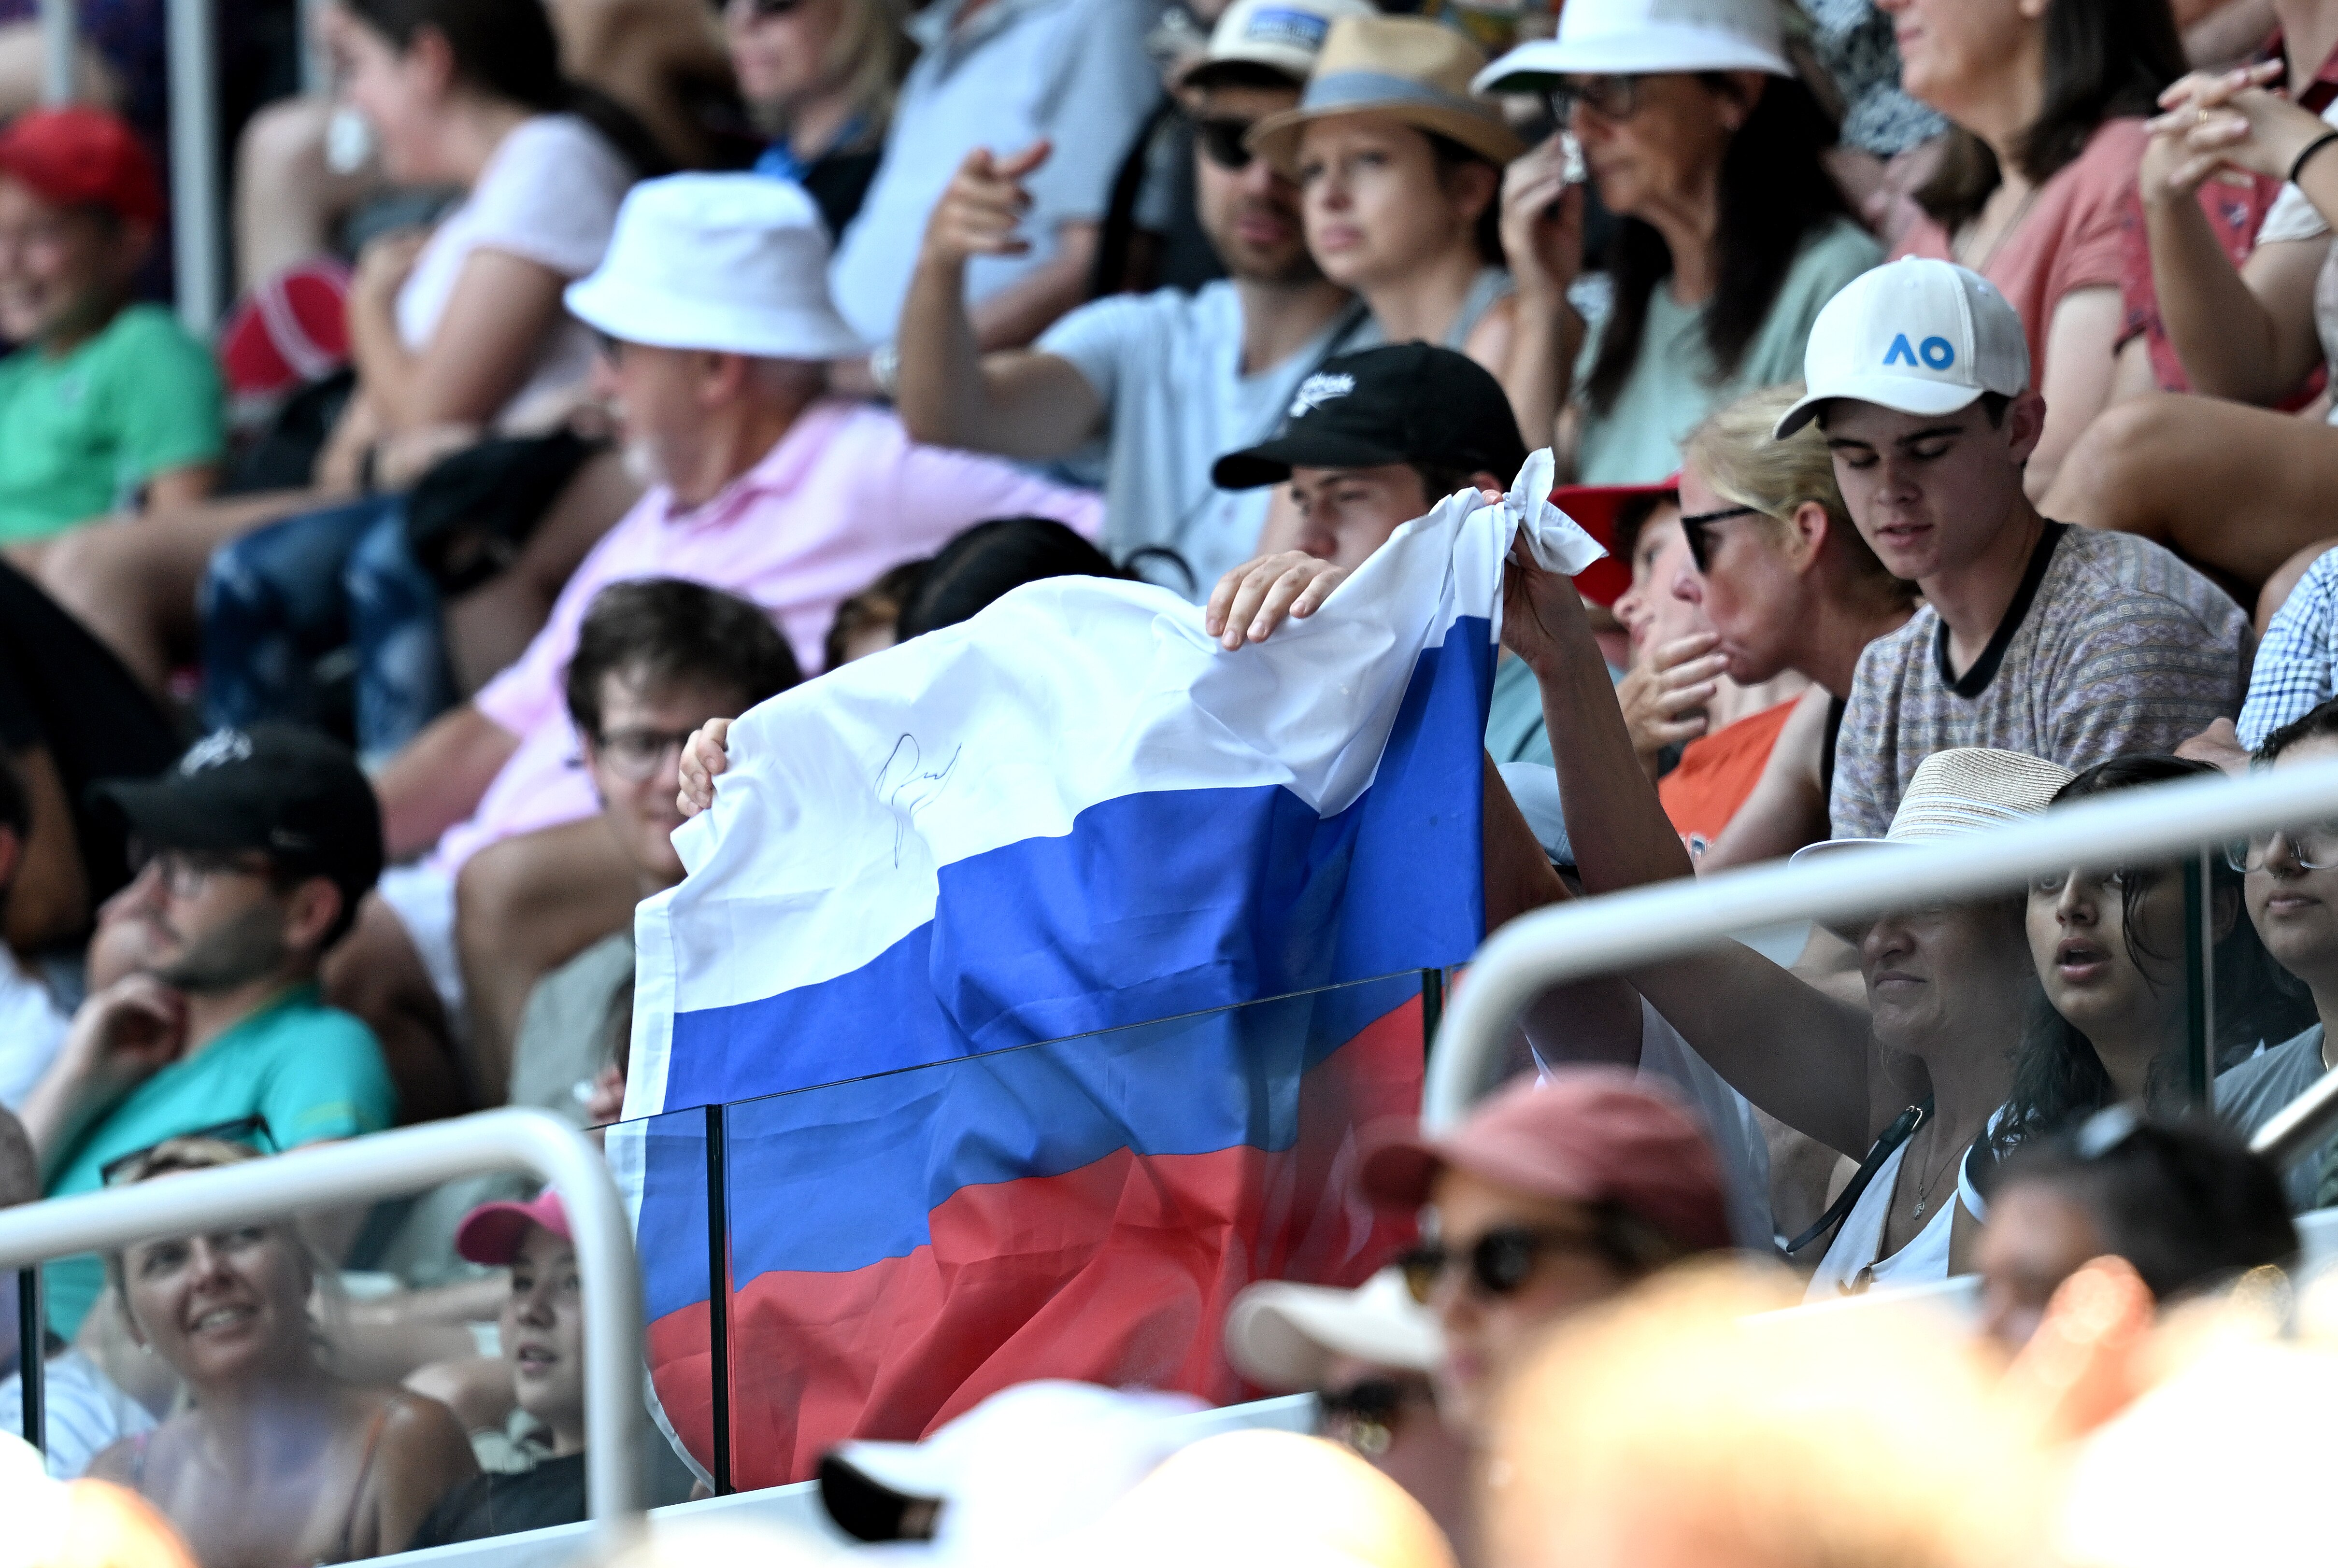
(492, 1232)
(1586, 1134)
(77, 156)
(1594, 507)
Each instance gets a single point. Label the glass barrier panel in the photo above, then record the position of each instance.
(903, 1245)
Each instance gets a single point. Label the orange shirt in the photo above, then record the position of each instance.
(1715, 774)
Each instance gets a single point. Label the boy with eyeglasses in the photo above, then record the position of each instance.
(256, 847)
(1558, 1193)
(1170, 379)
(655, 659)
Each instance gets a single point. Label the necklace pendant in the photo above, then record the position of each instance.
(1919, 1208)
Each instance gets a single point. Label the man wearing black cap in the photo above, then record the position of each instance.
(254, 851)
(1372, 440)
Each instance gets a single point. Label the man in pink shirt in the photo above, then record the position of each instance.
(716, 328)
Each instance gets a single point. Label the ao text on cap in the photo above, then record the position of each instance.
(1918, 336)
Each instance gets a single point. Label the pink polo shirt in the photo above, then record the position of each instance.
(843, 498)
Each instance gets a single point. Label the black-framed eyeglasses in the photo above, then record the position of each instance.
(634, 754)
(252, 1128)
(1222, 141)
(1499, 1262)
(1615, 97)
(1695, 526)
(2314, 846)
(184, 873)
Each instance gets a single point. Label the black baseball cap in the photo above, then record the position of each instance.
(291, 793)
(1404, 402)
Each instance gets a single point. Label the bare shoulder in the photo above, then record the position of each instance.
(1489, 340)
(415, 1423)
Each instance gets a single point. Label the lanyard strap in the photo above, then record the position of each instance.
(1903, 1127)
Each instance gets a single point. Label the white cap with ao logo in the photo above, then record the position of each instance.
(1918, 336)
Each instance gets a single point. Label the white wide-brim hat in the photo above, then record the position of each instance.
(1960, 790)
(728, 263)
(1282, 1335)
(1632, 38)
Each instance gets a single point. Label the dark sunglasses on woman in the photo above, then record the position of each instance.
(1696, 527)
(1499, 1262)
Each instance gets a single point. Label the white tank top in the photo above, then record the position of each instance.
(1851, 1265)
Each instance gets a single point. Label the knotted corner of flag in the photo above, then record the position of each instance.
(1558, 540)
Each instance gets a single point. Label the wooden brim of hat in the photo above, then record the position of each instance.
(1276, 137)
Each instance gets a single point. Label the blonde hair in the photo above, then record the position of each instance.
(1676, 1424)
(174, 1156)
(1734, 453)
(870, 54)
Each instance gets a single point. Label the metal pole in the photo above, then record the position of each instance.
(1593, 937)
(32, 1355)
(1432, 1008)
(60, 34)
(340, 1175)
(2200, 976)
(718, 1294)
(198, 250)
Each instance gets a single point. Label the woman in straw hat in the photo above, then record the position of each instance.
(1732, 236)
(1399, 173)
(1905, 1083)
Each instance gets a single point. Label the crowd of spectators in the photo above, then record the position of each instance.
(1948, 381)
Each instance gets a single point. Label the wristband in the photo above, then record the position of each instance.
(2297, 165)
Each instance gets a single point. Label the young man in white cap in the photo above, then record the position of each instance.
(716, 328)
(2060, 643)
(1173, 380)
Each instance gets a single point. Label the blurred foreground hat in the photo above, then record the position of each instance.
(1282, 35)
(1260, 1499)
(1400, 403)
(1029, 1466)
(491, 1233)
(1961, 789)
(291, 793)
(1408, 67)
(77, 156)
(1586, 1134)
(1917, 336)
(1636, 37)
(1282, 1335)
(730, 263)
(1597, 507)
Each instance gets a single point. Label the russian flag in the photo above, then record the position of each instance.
(957, 947)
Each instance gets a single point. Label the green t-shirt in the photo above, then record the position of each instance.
(315, 1072)
(1671, 391)
(82, 434)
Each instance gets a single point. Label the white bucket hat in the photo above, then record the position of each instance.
(1622, 37)
(732, 263)
(1963, 789)
(1282, 1335)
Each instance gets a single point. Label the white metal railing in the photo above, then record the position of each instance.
(1595, 936)
(340, 1175)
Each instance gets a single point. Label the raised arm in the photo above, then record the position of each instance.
(1531, 343)
(1796, 1053)
(1019, 403)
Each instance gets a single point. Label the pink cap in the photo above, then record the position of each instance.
(492, 1232)
(1586, 1134)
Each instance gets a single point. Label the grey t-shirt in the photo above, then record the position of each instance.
(1168, 368)
(2249, 1094)
(2111, 646)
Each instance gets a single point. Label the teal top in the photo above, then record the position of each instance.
(81, 433)
(1514, 727)
(314, 1072)
(1672, 386)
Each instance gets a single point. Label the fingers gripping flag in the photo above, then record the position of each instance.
(926, 874)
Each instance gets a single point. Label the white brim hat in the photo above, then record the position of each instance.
(1634, 37)
(727, 263)
(1282, 1335)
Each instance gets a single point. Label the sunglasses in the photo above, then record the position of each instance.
(253, 1129)
(1221, 142)
(1499, 1262)
(1695, 525)
(1609, 97)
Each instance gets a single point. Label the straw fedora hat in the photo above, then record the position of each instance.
(1417, 71)
(1963, 789)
